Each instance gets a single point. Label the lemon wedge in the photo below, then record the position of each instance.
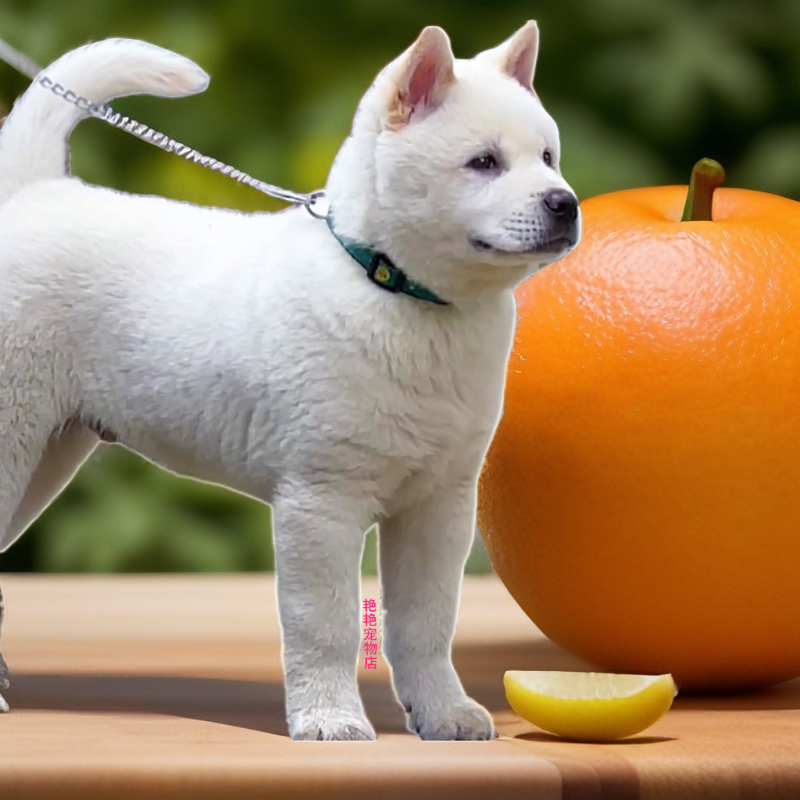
(589, 706)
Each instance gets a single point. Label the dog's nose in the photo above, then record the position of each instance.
(561, 203)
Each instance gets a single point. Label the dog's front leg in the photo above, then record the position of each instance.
(319, 540)
(422, 555)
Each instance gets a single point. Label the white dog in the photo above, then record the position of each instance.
(258, 352)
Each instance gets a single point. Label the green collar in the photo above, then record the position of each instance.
(382, 272)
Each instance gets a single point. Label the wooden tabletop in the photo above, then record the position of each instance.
(171, 687)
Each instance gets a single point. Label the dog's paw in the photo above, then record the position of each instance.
(464, 719)
(3, 705)
(330, 725)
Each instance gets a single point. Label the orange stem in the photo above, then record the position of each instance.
(707, 174)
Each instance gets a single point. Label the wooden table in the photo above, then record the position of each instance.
(171, 687)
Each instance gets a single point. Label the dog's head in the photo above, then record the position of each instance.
(452, 168)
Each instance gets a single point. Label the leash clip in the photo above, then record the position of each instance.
(317, 204)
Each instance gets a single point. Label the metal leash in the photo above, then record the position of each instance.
(315, 202)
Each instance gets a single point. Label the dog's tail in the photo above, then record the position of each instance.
(34, 139)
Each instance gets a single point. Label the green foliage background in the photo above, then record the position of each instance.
(640, 89)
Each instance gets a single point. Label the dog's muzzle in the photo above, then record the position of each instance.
(560, 209)
(548, 226)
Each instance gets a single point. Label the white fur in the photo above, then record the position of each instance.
(252, 351)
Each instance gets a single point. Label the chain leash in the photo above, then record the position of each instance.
(315, 202)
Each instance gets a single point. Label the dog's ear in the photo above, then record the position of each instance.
(517, 55)
(423, 76)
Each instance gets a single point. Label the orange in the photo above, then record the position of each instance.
(641, 497)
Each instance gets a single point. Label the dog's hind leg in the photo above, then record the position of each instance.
(16, 467)
(61, 459)
(19, 454)
(4, 682)
(35, 464)
(64, 455)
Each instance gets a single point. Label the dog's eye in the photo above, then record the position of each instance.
(547, 157)
(483, 162)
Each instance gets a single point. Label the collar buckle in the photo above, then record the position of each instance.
(385, 274)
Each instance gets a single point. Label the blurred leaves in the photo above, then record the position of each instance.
(121, 514)
(683, 59)
(773, 158)
(640, 91)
